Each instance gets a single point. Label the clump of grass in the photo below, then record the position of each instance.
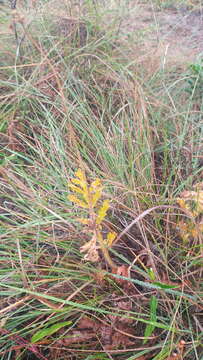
(68, 105)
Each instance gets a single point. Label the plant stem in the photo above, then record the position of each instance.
(105, 250)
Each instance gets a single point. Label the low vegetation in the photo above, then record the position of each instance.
(101, 188)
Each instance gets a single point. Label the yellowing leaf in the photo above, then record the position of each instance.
(184, 230)
(80, 175)
(185, 207)
(197, 230)
(189, 229)
(181, 203)
(102, 212)
(96, 197)
(81, 179)
(84, 221)
(76, 181)
(95, 184)
(75, 189)
(192, 201)
(95, 192)
(88, 197)
(110, 238)
(77, 201)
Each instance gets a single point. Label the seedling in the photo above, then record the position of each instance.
(88, 197)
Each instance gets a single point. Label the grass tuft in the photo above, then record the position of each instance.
(73, 95)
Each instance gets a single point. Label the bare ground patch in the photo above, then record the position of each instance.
(174, 34)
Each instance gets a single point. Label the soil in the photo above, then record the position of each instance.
(175, 35)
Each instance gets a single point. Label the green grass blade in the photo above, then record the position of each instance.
(41, 334)
(150, 327)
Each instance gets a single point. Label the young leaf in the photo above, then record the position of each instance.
(151, 274)
(150, 327)
(39, 335)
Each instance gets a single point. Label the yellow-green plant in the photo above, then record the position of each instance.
(191, 202)
(88, 197)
